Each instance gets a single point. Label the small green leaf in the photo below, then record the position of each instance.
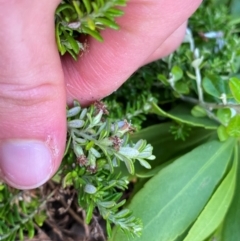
(233, 128)
(182, 87)
(75, 123)
(128, 162)
(215, 210)
(177, 73)
(114, 12)
(197, 62)
(90, 189)
(89, 212)
(67, 180)
(87, 4)
(109, 204)
(73, 43)
(123, 213)
(215, 86)
(30, 229)
(224, 115)
(63, 7)
(163, 79)
(20, 234)
(222, 133)
(22, 204)
(91, 24)
(89, 145)
(144, 163)
(61, 48)
(71, 52)
(93, 33)
(198, 111)
(77, 8)
(129, 152)
(106, 22)
(109, 229)
(40, 218)
(234, 84)
(73, 111)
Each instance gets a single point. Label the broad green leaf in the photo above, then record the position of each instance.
(234, 84)
(215, 210)
(182, 113)
(162, 141)
(233, 128)
(230, 229)
(215, 86)
(172, 200)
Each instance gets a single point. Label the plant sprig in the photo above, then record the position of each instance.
(97, 152)
(74, 18)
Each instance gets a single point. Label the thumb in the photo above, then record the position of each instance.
(32, 94)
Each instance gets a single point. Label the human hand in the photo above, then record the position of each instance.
(36, 84)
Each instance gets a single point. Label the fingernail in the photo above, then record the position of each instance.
(25, 164)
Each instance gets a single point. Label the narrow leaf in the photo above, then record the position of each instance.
(230, 229)
(216, 209)
(106, 22)
(182, 113)
(94, 33)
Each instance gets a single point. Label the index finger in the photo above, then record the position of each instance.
(105, 66)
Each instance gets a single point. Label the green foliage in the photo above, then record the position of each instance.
(182, 202)
(96, 148)
(18, 212)
(76, 18)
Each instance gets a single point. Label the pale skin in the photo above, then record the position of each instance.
(36, 84)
